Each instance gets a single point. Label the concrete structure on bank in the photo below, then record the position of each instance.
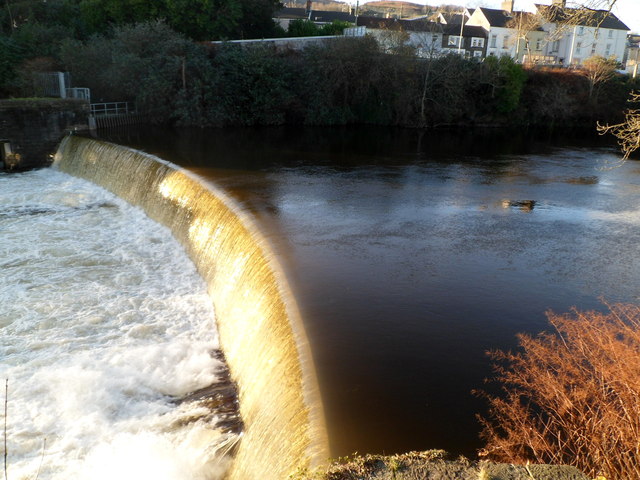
(30, 129)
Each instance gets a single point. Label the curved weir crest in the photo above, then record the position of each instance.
(260, 330)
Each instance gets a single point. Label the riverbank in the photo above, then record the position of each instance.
(436, 465)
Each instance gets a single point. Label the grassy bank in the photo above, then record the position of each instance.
(435, 465)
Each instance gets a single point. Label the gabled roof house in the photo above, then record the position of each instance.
(575, 35)
(512, 33)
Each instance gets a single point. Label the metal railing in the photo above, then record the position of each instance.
(51, 84)
(110, 108)
(78, 92)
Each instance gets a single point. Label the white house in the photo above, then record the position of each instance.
(430, 39)
(511, 33)
(423, 35)
(572, 37)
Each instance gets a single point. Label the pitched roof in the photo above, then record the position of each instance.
(316, 15)
(496, 18)
(451, 18)
(329, 16)
(421, 25)
(467, 31)
(583, 16)
(505, 19)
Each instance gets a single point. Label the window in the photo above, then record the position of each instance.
(578, 48)
(610, 34)
(494, 39)
(555, 46)
(505, 41)
(477, 42)
(454, 40)
(477, 54)
(539, 44)
(580, 30)
(434, 38)
(593, 49)
(607, 50)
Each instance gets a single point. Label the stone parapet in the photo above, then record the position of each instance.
(30, 129)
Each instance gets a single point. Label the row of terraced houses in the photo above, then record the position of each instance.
(553, 35)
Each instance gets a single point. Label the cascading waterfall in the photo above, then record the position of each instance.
(259, 327)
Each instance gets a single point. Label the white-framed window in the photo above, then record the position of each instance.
(578, 48)
(505, 41)
(555, 46)
(593, 49)
(610, 34)
(454, 40)
(581, 30)
(607, 51)
(494, 41)
(477, 53)
(477, 42)
(539, 44)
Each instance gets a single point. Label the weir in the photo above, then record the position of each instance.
(260, 330)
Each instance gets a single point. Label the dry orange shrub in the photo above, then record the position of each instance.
(571, 397)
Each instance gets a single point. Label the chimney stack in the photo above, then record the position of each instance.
(507, 5)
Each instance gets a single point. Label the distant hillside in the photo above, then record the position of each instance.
(393, 8)
(381, 8)
(326, 5)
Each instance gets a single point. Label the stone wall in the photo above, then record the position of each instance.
(32, 128)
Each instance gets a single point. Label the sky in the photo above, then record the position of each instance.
(626, 10)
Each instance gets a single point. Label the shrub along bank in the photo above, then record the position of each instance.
(349, 80)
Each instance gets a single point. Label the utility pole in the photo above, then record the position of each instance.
(573, 42)
(461, 32)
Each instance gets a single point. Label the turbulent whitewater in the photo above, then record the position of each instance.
(104, 325)
(260, 330)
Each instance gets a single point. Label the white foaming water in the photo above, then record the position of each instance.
(104, 323)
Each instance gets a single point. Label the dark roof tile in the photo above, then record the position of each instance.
(585, 17)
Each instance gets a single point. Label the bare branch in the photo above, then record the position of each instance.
(627, 133)
(571, 397)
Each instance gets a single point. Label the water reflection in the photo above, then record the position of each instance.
(411, 254)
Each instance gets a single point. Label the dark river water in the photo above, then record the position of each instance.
(412, 254)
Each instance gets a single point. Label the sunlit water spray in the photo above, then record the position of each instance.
(104, 325)
(258, 323)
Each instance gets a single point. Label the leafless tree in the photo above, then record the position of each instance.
(627, 132)
(524, 23)
(598, 70)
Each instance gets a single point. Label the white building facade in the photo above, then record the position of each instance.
(573, 44)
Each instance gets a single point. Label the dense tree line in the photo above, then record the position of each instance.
(197, 19)
(348, 80)
(33, 29)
